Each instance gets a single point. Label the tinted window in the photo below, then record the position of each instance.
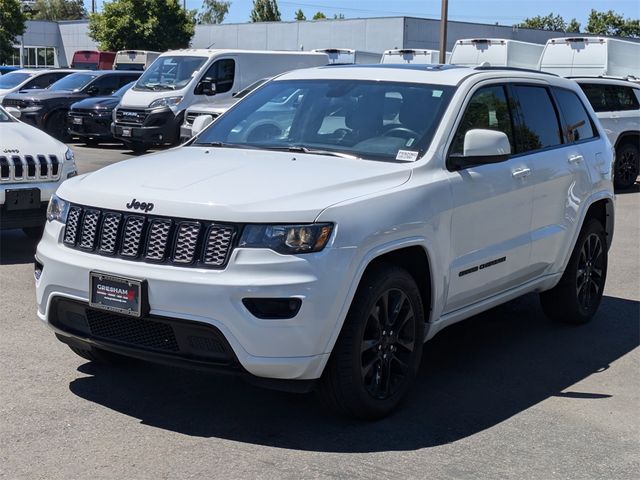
(222, 73)
(343, 116)
(610, 98)
(73, 82)
(127, 79)
(538, 127)
(106, 85)
(576, 121)
(488, 109)
(41, 81)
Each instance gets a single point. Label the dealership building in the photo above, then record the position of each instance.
(52, 44)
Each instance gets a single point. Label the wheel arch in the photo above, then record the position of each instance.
(630, 135)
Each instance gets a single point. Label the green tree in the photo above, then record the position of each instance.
(58, 10)
(573, 26)
(265, 11)
(554, 23)
(12, 23)
(142, 25)
(213, 11)
(612, 24)
(300, 15)
(319, 16)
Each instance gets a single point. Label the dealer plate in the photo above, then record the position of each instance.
(77, 120)
(118, 294)
(126, 132)
(22, 199)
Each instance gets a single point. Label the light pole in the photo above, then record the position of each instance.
(443, 30)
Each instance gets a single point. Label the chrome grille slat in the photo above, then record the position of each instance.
(186, 242)
(179, 242)
(157, 239)
(20, 168)
(132, 236)
(109, 232)
(90, 221)
(217, 246)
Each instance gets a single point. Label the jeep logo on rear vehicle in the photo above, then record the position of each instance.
(136, 205)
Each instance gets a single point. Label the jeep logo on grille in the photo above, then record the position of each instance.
(136, 205)
(11, 150)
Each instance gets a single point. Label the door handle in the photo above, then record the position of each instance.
(575, 159)
(521, 173)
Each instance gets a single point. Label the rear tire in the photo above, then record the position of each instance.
(577, 296)
(377, 355)
(627, 165)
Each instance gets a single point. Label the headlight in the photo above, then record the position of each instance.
(288, 239)
(68, 155)
(165, 102)
(57, 209)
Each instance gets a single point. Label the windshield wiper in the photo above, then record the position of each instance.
(310, 151)
(219, 145)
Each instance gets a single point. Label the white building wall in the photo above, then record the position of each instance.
(74, 35)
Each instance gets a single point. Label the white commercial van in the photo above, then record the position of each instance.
(348, 56)
(134, 59)
(591, 56)
(496, 52)
(408, 55)
(151, 112)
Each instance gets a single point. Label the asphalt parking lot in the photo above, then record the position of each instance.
(506, 394)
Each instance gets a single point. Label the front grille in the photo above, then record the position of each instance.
(10, 102)
(148, 238)
(80, 113)
(135, 117)
(19, 168)
(191, 116)
(110, 326)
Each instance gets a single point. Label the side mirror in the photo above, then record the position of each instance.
(206, 87)
(13, 111)
(480, 147)
(200, 123)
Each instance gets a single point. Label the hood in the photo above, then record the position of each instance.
(97, 103)
(234, 185)
(29, 140)
(143, 98)
(41, 95)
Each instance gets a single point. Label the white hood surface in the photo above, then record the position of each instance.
(234, 185)
(28, 140)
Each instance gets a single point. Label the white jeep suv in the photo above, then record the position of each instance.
(617, 105)
(32, 167)
(320, 247)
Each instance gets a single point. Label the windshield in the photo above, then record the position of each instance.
(73, 82)
(4, 116)
(367, 119)
(169, 73)
(13, 79)
(244, 92)
(122, 90)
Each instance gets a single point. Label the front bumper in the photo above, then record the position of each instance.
(92, 126)
(160, 126)
(288, 349)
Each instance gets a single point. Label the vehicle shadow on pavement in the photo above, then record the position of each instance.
(474, 375)
(16, 248)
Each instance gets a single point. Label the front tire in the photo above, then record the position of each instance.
(378, 352)
(577, 296)
(626, 166)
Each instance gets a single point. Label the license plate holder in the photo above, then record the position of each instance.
(127, 296)
(77, 120)
(126, 132)
(22, 199)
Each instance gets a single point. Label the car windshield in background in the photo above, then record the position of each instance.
(13, 79)
(122, 90)
(73, 82)
(169, 73)
(366, 119)
(4, 116)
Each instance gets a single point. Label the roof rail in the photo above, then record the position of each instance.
(514, 69)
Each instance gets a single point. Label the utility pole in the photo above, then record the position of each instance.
(443, 30)
(93, 6)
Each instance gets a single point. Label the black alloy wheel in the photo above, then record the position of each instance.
(387, 344)
(590, 272)
(626, 166)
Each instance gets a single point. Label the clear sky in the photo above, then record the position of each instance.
(504, 12)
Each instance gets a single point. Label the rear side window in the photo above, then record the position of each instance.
(610, 98)
(538, 127)
(41, 81)
(488, 109)
(577, 124)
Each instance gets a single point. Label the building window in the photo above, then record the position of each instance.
(34, 57)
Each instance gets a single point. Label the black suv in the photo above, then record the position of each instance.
(47, 109)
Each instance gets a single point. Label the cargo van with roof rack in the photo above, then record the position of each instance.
(413, 56)
(496, 52)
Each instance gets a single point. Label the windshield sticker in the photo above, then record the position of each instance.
(407, 155)
(437, 93)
